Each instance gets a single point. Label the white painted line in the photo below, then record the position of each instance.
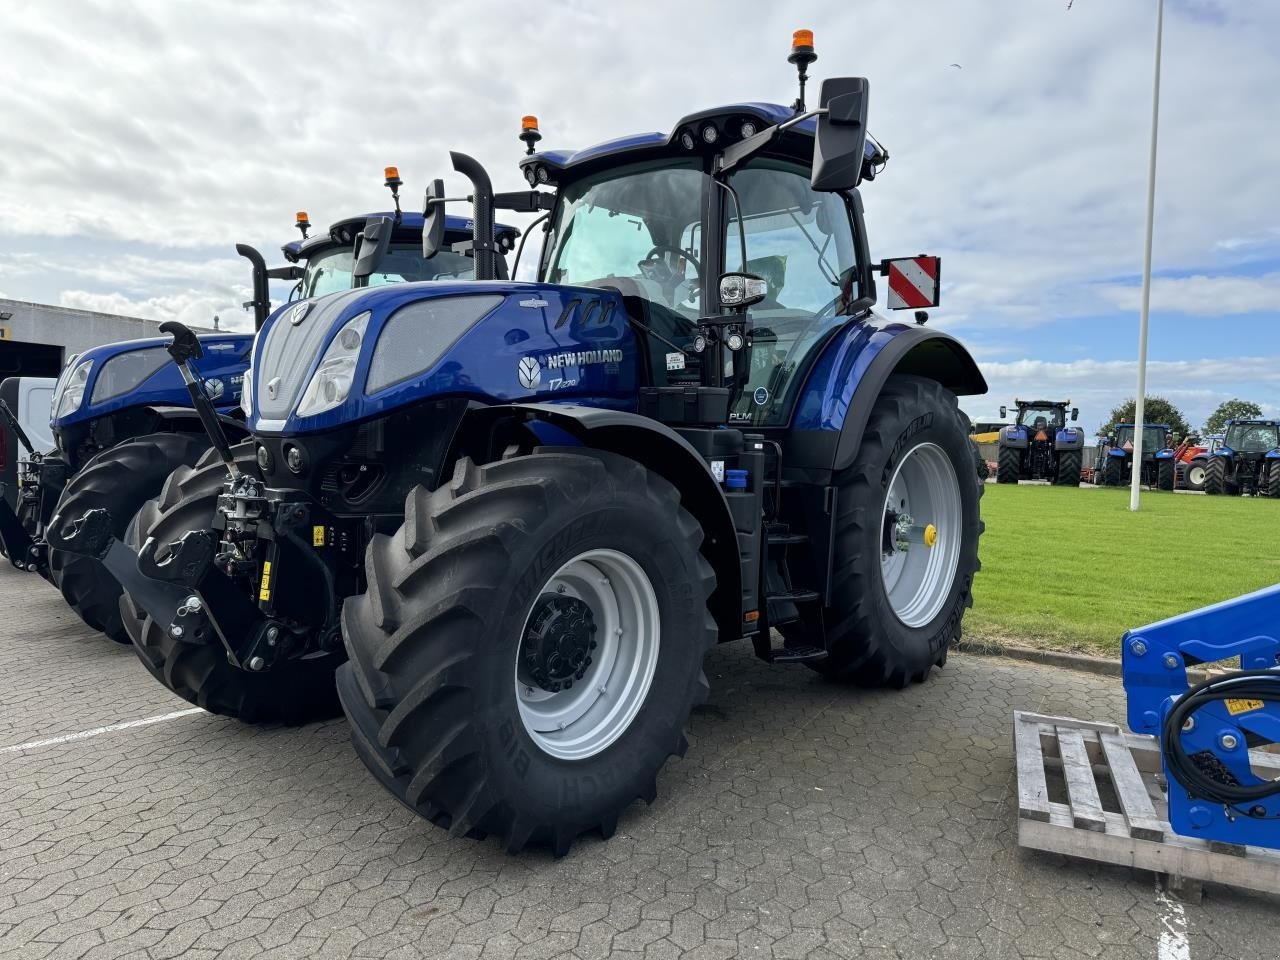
(1172, 943)
(110, 728)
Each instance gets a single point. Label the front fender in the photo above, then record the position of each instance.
(835, 403)
(484, 430)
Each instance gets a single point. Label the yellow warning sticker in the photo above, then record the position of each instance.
(1243, 706)
(317, 536)
(264, 592)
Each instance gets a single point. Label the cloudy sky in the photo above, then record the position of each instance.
(143, 140)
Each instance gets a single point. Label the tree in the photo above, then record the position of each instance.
(1234, 409)
(1157, 410)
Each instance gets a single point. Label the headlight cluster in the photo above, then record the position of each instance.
(73, 392)
(331, 383)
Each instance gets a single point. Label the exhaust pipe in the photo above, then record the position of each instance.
(482, 247)
(261, 302)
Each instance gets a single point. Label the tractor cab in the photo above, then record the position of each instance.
(1252, 437)
(1155, 437)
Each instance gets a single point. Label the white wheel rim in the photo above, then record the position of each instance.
(584, 719)
(918, 574)
(1195, 475)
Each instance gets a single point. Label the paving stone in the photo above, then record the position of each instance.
(806, 822)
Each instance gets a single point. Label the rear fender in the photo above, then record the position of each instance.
(836, 402)
(484, 432)
(1069, 440)
(1014, 440)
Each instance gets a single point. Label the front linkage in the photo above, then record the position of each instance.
(22, 526)
(207, 578)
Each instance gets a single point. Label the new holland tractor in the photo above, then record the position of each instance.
(1116, 457)
(1039, 445)
(1248, 462)
(124, 417)
(513, 517)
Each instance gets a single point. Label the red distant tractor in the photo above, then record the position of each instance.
(1190, 459)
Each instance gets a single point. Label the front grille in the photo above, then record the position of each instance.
(289, 351)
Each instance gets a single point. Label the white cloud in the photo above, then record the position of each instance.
(192, 307)
(1201, 295)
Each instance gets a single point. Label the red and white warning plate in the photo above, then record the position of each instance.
(913, 282)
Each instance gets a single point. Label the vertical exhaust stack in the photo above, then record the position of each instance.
(261, 302)
(481, 214)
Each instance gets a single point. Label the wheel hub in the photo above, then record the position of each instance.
(557, 644)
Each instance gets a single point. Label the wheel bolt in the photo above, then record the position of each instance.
(175, 631)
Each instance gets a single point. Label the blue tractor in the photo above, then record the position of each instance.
(123, 416)
(1155, 460)
(1039, 444)
(1248, 462)
(513, 517)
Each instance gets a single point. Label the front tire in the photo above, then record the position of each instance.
(120, 480)
(293, 691)
(1215, 477)
(892, 618)
(1272, 478)
(1113, 472)
(1164, 475)
(454, 670)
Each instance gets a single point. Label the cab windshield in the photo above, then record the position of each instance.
(1253, 437)
(330, 271)
(1051, 416)
(1152, 437)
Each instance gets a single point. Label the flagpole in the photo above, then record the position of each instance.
(1139, 412)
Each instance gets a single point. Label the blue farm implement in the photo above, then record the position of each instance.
(512, 517)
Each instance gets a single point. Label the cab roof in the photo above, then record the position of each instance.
(409, 230)
(549, 167)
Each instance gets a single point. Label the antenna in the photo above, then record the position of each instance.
(802, 54)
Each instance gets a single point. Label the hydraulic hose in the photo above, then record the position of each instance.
(1263, 685)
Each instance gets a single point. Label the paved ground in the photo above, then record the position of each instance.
(807, 821)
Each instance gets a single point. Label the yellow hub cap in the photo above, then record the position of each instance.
(930, 535)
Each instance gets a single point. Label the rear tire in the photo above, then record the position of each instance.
(120, 480)
(292, 692)
(1009, 465)
(1068, 469)
(868, 642)
(1215, 477)
(1164, 475)
(1193, 474)
(438, 706)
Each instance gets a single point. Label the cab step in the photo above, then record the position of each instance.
(797, 655)
(793, 596)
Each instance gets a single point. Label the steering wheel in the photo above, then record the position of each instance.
(667, 248)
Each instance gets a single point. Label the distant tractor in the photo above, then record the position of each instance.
(1116, 457)
(1248, 462)
(1191, 458)
(1039, 445)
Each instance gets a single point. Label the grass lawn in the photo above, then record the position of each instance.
(1072, 568)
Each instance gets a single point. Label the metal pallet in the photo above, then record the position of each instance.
(1130, 828)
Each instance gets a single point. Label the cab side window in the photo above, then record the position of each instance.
(801, 242)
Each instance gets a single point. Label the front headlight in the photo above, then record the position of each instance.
(73, 392)
(331, 383)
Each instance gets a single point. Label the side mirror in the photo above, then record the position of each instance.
(741, 290)
(914, 282)
(433, 220)
(371, 248)
(1004, 411)
(841, 139)
(1075, 413)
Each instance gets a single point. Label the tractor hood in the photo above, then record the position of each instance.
(351, 356)
(138, 373)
